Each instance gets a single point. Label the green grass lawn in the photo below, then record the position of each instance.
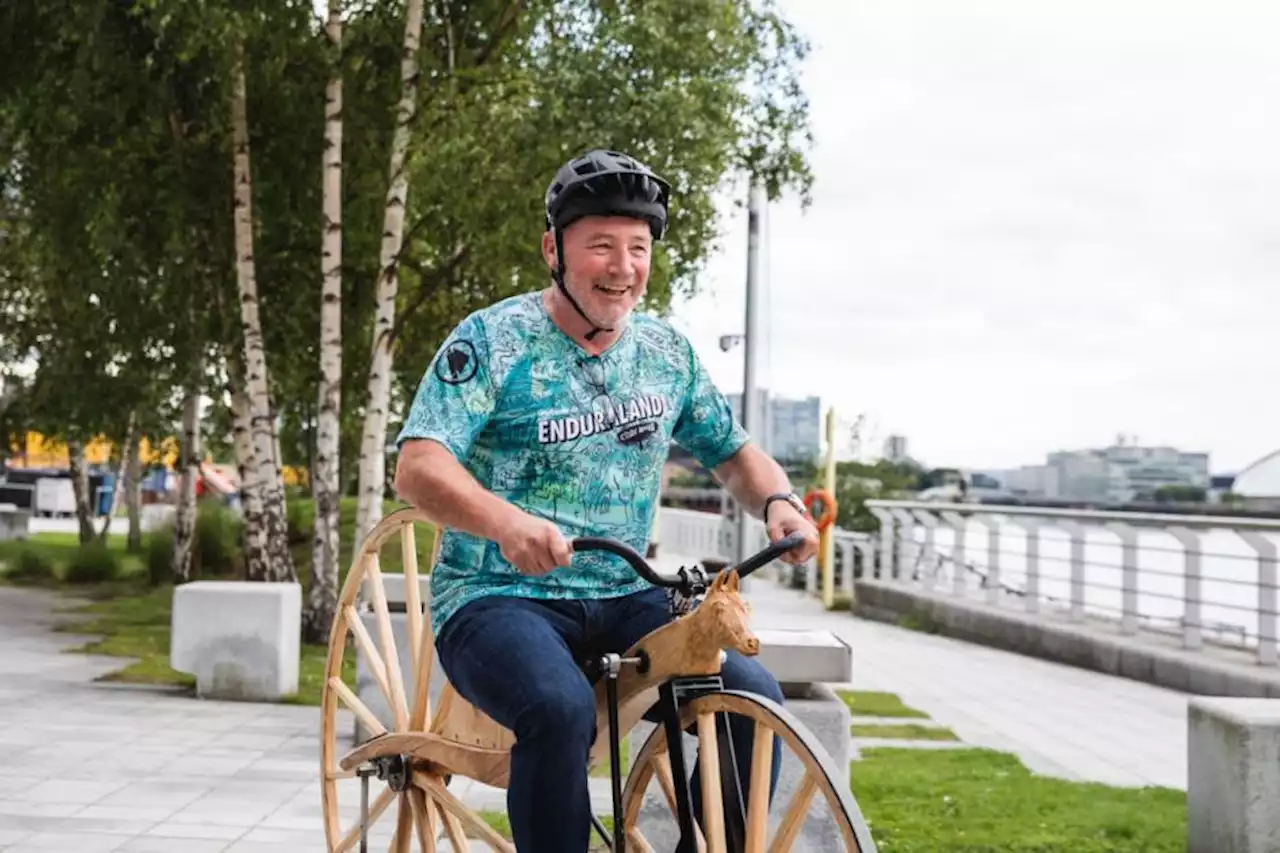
(982, 801)
(906, 731)
(869, 703)
(972, 800)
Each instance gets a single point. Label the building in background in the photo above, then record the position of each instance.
(895, 448)
(793, 428)
(1122, 473)
(1258, 485)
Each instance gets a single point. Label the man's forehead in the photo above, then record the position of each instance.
(618, 227)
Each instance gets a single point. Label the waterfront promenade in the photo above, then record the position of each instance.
(92, 768)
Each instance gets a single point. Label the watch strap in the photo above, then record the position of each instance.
(789, 497)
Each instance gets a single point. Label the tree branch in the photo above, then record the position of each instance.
(430, 279)
(506, 21)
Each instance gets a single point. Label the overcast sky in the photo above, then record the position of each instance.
(1035, 225)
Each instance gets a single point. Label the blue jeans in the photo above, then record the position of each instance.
(517, 660)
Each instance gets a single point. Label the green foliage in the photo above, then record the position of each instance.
(218, 538)
(116, 259)
(94, 562)
(1179, 494)
(158, 556)
(31, 566)
(858, 481)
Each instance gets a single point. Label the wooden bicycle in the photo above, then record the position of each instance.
(674, 669)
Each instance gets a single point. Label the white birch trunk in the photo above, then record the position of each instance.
(279, 561)
(184, 522)
(117, 485)
(255, 542)
(133, 496)
(322, 598)
(79, 471)
(374, 437)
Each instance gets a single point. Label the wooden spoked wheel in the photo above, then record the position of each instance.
(812, 809)
(399, 821)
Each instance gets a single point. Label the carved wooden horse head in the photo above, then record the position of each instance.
(722, 619)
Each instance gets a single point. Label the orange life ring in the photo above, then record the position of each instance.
(829, 507)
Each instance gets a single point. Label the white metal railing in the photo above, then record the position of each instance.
(699, 534)
(1206, 578)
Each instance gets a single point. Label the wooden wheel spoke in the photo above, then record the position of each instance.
(404, 826)
(789, 829)
(412, 597)
(453, 828)
(709, 770)
(424, 820)
(758, 796)
(361, 710)
(636, 840)
(454, 810)
(370, 651)
(390, 658)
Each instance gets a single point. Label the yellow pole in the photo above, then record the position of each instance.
(827, 545)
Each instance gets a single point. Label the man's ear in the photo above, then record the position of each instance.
(549, 248)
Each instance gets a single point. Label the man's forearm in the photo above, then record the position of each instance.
(751, 475)
(429, 477)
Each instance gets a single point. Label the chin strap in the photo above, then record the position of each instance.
(559, 277)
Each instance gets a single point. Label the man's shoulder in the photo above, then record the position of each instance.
(663, 340)
(513, 316)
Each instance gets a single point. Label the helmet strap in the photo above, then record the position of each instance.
(559, 276)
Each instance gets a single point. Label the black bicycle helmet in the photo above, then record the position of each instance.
(603, 183)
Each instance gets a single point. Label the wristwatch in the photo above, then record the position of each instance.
(789, 497)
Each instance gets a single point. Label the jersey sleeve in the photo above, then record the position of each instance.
(706, 426)
(457, 393)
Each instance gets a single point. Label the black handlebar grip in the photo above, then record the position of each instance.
(768, 555)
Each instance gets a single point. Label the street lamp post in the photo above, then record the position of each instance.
(750, 340)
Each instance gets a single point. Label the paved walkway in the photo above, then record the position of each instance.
(91, 767)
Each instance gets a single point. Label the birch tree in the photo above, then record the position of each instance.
(322, 598)
(373, 440)
(184, 522)
(266, 469)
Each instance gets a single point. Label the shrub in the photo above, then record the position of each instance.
(31, 566)
(93, 563)
(301, 517)
(218, 543)
(159, 556)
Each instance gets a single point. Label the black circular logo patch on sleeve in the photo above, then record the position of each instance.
(458, 363)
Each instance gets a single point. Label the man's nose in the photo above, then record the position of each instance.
(622, 264)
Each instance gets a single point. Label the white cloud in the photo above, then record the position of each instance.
(1036, 225)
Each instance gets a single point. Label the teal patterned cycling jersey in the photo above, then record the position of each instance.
(575, 438)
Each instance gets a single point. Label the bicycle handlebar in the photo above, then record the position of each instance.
(626, 552)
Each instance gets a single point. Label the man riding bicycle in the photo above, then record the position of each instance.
(548, 416)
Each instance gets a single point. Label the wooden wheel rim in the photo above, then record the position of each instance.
(411, 803)
(817, 764)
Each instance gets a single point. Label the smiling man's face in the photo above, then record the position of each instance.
(607, 261)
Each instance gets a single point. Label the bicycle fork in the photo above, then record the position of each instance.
(671, 695)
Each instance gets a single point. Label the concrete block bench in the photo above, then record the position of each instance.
(14, 523)
(240, 639)
(1233, 775)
